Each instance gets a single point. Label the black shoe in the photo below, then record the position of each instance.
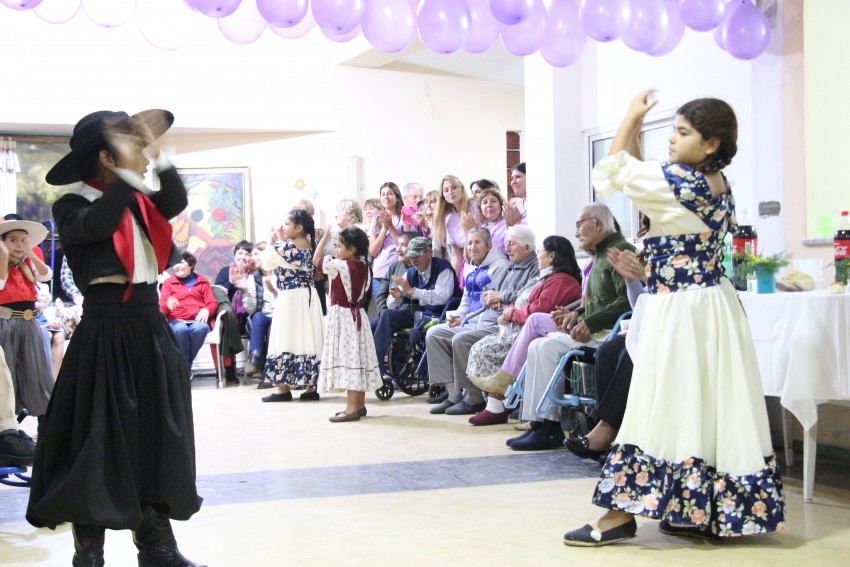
(156, 544)
(278, 397)
(309, 396)
(17, 449)
(88, 546)
(580, 447)
(230, 374)
(697, 532)
(464, 408)
(438, 397)
(588, 537)
(549, 436)
(264, 385)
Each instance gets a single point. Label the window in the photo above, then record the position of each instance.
(653, 142)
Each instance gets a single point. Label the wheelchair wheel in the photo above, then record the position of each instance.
(404, 366)
(578, 423)
(385, 392)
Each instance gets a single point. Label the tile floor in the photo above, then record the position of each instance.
(403, 488)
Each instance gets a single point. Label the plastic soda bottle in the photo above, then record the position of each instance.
(744, 241)
(841, 248)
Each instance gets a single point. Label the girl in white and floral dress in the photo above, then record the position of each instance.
(295, 338)
(349, 361)
(694, 447)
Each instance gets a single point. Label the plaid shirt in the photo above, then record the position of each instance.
(66, 277)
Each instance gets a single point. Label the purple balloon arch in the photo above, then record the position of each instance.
(559, 32)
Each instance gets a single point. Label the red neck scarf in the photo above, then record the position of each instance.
(158, 230)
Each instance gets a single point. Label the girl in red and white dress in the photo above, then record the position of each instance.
(20, 334)
(349, 361)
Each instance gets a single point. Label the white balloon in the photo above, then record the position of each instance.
(245, 25)
(166, 26)
(109, 13)
(57, 11)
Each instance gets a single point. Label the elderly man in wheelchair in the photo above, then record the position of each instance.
(415, 299)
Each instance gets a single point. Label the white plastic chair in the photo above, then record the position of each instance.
(213, 338)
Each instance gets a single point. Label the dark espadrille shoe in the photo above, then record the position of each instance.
(589, 537)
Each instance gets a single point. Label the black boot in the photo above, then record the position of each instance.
(156, 543)
(88, 546)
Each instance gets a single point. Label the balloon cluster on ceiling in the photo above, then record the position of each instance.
(560, 32)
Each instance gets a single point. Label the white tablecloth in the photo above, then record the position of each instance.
(802, 342)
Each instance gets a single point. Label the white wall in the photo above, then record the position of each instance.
(611, 74)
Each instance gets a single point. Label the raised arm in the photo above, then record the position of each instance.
(629, 131)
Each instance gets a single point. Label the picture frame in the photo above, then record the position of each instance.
(217, 217)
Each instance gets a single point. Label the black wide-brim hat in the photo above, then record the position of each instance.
(89, 133)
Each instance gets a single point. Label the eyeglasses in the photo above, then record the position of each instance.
(582, 221)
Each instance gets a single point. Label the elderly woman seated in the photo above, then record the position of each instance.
(187, 301)
(559, 283)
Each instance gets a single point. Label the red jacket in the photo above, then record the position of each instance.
(191, 300)
(554, 291)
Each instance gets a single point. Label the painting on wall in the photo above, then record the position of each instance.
(217, 217)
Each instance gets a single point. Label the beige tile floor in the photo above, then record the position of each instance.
(502, 524)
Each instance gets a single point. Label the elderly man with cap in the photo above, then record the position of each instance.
(416, 298)
(116, 447)
(448, 345)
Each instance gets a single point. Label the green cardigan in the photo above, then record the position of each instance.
(605, 294)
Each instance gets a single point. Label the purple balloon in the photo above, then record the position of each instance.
(648, 28)
(702, 15)
(605, 20)
(443, 24)
(283, 13)
(21, 4)
(299, 30)
(675, 31)
(527, 37)
(389, 25)
(483, 27)
(510, 12)
(215, 8)
(338, 17)
(340, 37)
(564, 39)
(746, 32)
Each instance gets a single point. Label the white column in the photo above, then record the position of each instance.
(553, 147)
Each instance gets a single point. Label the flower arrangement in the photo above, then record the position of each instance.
(748, 264)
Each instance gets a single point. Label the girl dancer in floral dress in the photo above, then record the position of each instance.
(694, 448)
(295, 339)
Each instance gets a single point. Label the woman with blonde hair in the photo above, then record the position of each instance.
(453, 201)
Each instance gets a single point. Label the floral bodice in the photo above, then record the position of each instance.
(293, 265)
(686, 261)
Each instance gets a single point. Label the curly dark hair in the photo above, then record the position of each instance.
(713, 118)
(564, 256)
(302, 217)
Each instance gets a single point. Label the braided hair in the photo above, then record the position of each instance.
(303, 218)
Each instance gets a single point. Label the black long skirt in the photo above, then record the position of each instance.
(118, 433)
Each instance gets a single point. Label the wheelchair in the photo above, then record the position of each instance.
(408, 364)
(580, 388)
